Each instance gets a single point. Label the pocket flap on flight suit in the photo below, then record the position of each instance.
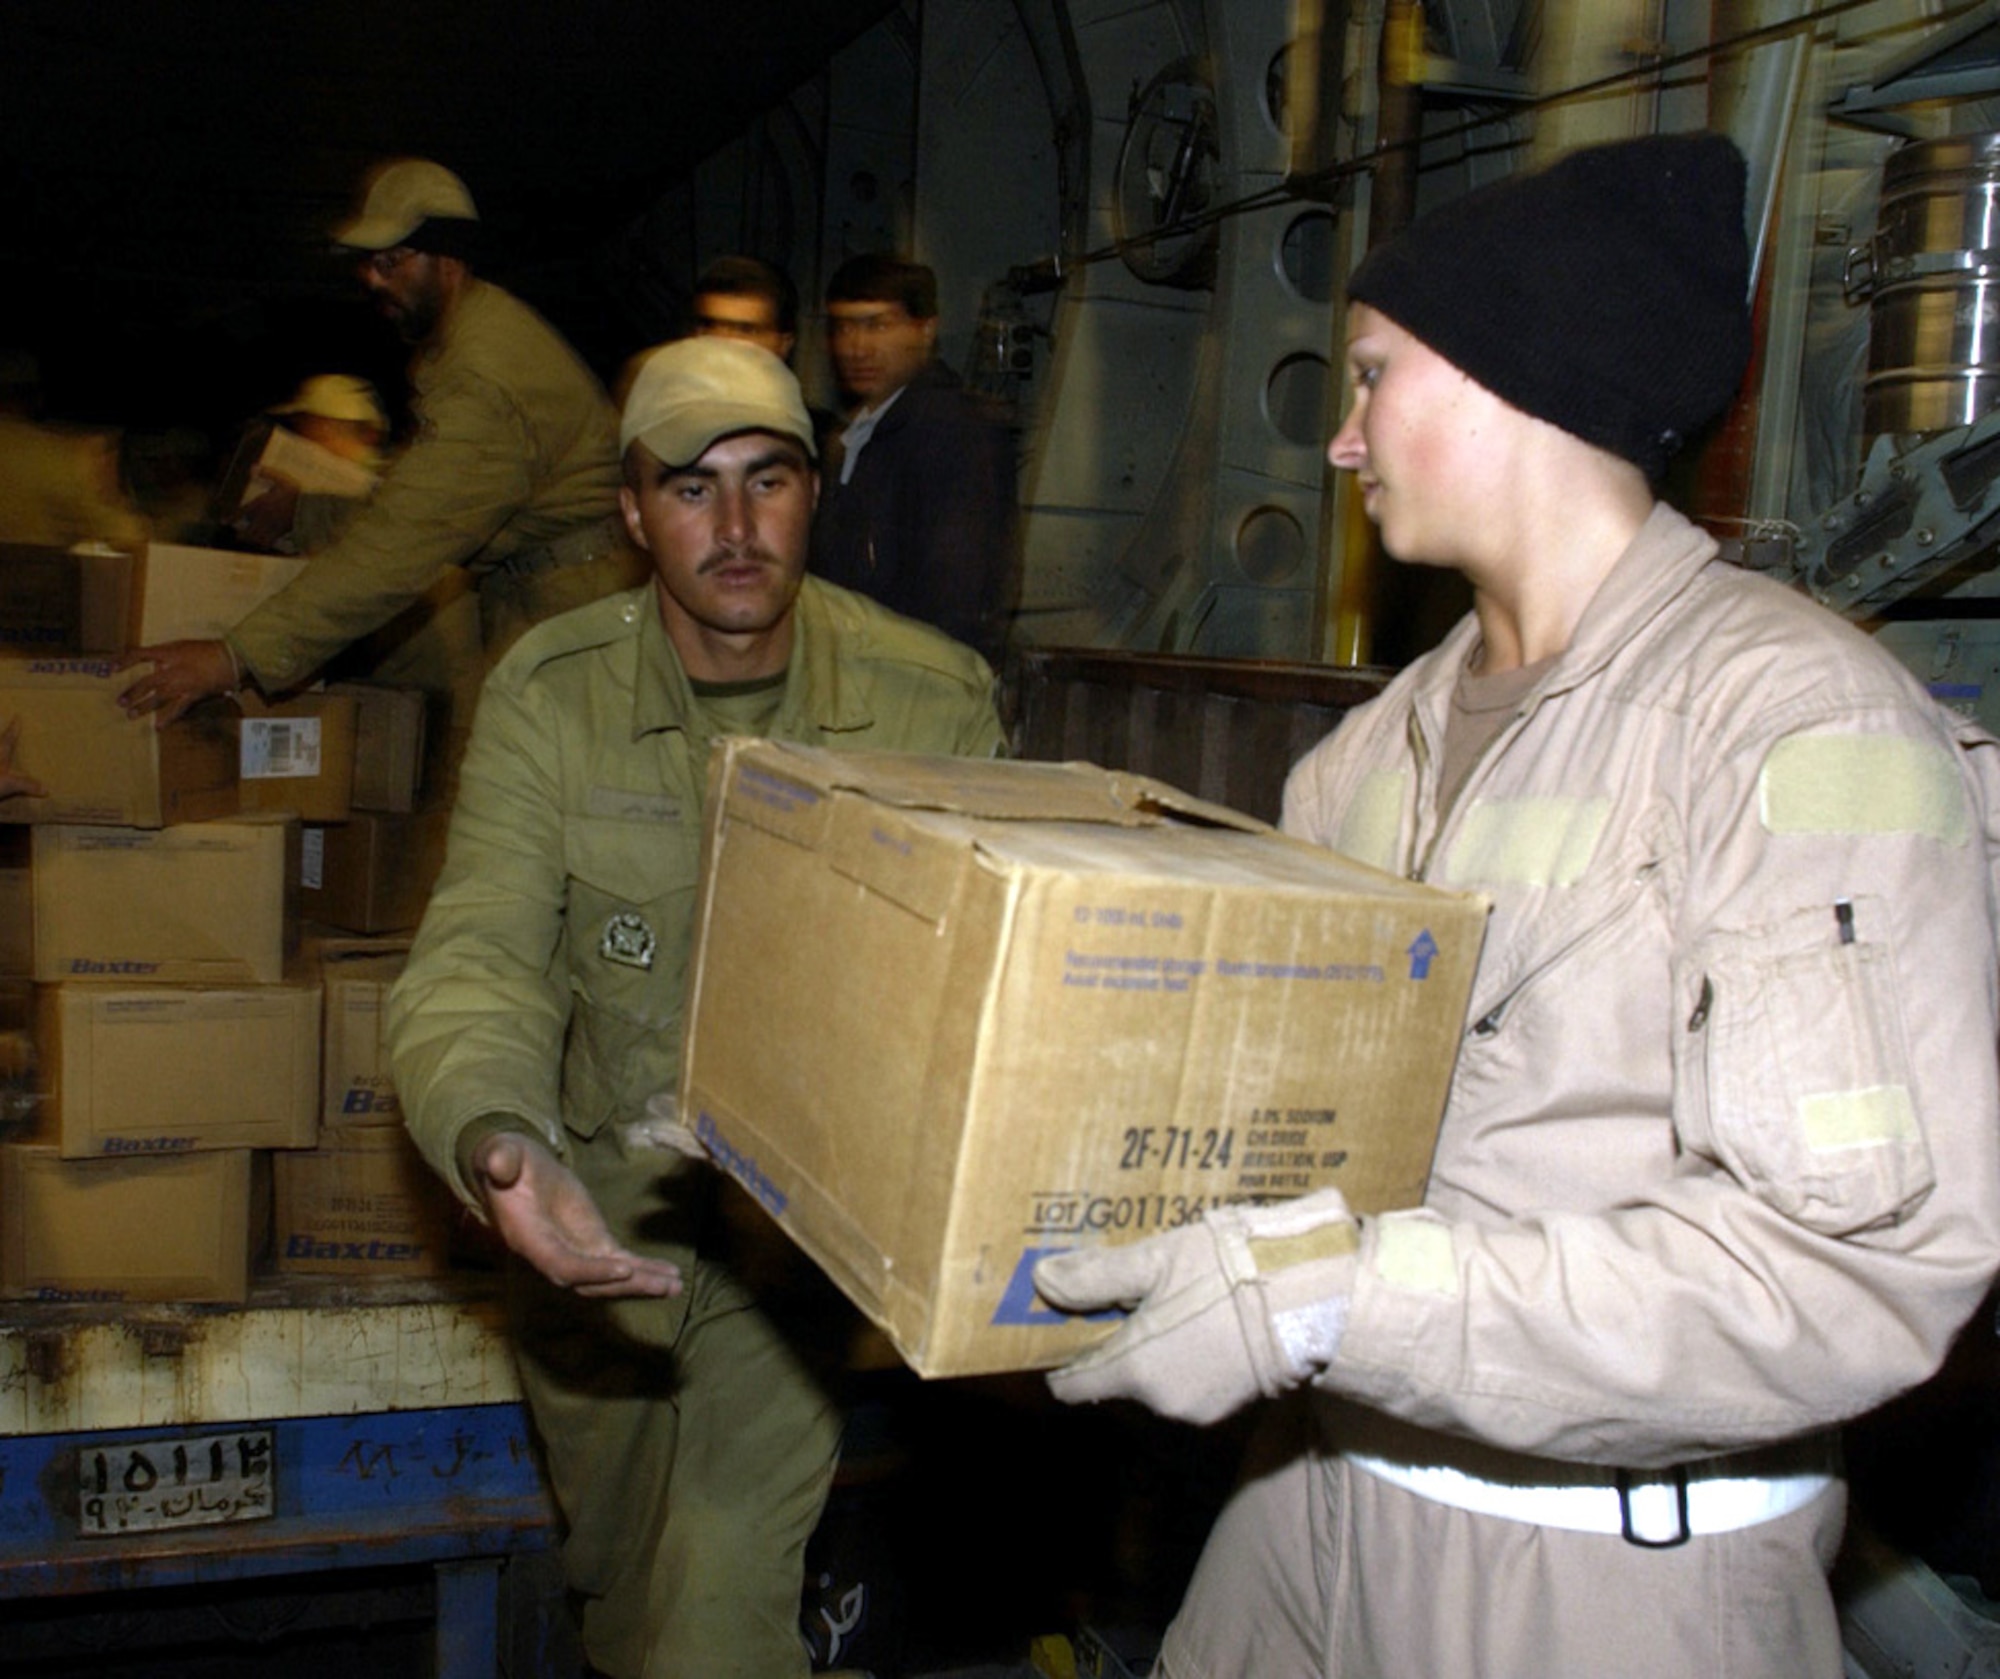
(1801, 1049)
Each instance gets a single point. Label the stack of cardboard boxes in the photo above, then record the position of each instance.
(1108, 1007)
(161, 1026)
(362, 1203)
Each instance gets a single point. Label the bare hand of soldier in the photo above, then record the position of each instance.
(183, 673)
(543, 1213)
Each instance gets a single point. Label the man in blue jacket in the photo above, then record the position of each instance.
(918, 506)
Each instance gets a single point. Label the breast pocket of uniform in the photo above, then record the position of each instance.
(1794, 1071)
(631, 903)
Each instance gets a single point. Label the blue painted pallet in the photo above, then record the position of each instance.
(385, 1488)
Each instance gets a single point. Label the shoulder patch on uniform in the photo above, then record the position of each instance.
(1526, 842)
(1373, 820)
(1863, 784)
(1413, 1252)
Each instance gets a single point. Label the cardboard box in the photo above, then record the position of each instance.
(297, 756)
(312, 467)
(363, 1203)
(181, 593)
(17, 905)
(60, 600)
(20, 1089)
(946, 1016)
(160, 1069)
(124, 1229)
(372, 873)
(206, 903)
(389, 744)
(354, 977)
(270, 451)
(100, 765)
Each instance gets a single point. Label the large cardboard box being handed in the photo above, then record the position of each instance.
(947, 1016)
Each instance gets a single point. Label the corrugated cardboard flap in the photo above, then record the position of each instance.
(990, 789)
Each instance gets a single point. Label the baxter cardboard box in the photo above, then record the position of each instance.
(297, 756)
(181, 593)
(20, 1090)
(100, 765)
(372, 873)
(945, 1016)
(354, 976)
(363, 1203)
(17, 905)
(206, 903)
(61, 600)
(164, 1069)
(389, 743)
(124, 1229)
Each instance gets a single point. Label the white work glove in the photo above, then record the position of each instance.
(1245, 1301)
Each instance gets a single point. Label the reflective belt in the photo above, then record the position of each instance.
(1654, 1508)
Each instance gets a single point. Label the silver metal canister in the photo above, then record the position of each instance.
(1932, 275)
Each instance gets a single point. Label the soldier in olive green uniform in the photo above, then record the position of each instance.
(513, 473)
(690, 1431)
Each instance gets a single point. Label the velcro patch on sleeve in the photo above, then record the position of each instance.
(1527, 842)
(1280, 1253)
(1863, 784)
(1413, 1251)
(1373, 821)
(1844, 1119)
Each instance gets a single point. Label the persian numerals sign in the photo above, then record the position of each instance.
(192, 1480)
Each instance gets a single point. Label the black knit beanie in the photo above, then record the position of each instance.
(1606, 294)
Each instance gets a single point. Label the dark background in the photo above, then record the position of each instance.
(169, 171)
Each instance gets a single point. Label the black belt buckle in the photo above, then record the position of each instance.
(1678, 1478)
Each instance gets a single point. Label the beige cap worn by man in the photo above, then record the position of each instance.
(688, 394)
(336, 396)
(401, 197)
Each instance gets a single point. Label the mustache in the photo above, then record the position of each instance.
(717, 558)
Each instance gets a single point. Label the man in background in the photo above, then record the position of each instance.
(918, 509)
(512, 473)
(433, 644)
(743, 297)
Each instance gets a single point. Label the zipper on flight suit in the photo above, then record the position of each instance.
(1422, 853)
(1488, 1023)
